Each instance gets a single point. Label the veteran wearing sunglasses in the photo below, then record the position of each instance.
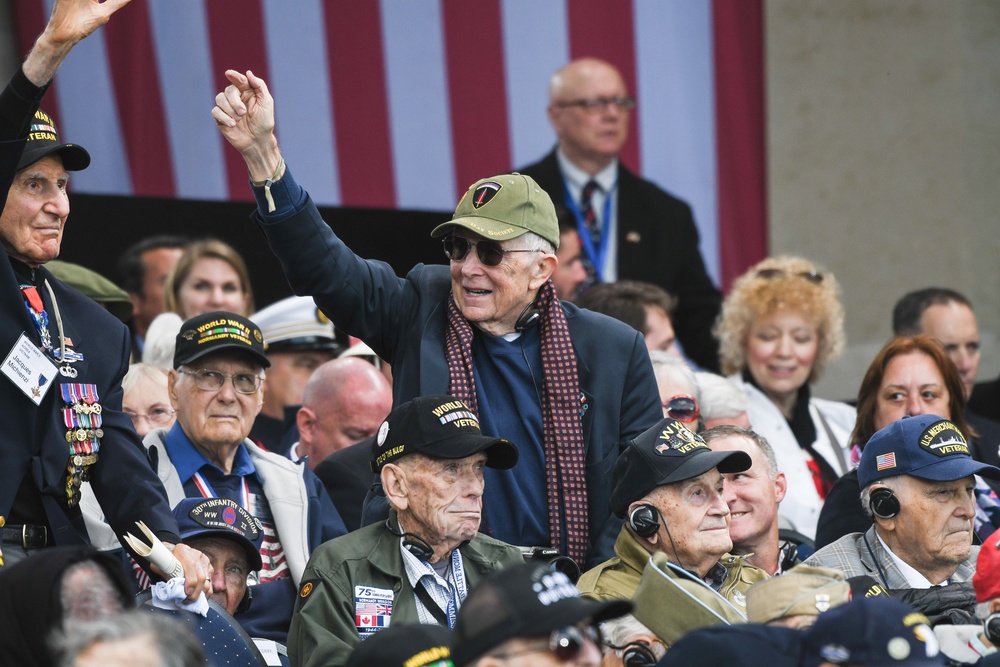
(569, 386)
(781, 324)
(215, 389)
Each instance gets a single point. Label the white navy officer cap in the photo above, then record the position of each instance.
(296, 324)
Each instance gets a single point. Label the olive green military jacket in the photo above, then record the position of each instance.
(359, 580)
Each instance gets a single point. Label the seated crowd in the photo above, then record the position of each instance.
(513, 459)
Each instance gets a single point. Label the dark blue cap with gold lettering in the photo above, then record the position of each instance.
(924, 446)
(667, 453)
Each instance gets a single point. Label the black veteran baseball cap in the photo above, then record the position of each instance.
(505, 207)
(925, 446)
(43, 140)
(669, 452)
(523, 601)
(439, 426)
(216, 331)
(405, 645)
(221, 517)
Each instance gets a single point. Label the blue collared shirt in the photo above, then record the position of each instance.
(188, 460)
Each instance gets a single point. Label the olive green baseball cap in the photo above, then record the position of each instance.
(505, 207)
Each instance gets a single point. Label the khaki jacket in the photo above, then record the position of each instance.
(618, 578)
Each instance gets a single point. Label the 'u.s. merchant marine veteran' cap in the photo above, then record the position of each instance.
(924, 446)
(216, 331)
(441, 427)
(505, 207)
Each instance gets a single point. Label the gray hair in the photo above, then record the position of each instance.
(87, 592)
(720, 398)
(892, 482)
(532, 241)
(672, 368)
(170, 638)
(142, 371)
(624, 630)
(729, 430)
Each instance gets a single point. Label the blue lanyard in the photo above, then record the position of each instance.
(457, 595)
(596, 257)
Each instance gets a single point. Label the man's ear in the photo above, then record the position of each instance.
(172, 388)
(305, 419)
(542, 270)
(780, 487)
(395, 486)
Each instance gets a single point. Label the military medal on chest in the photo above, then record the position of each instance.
(82, 417)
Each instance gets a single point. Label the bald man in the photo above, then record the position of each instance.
(635, 223)
(344, 402)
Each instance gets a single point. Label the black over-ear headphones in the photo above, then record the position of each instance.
(991, 628)
(644, 520)
(635, 654)
(528, 318)
(415, 544)
(883, 503)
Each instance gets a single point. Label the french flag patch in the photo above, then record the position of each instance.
(885, 461)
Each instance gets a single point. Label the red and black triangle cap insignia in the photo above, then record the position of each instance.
(484, 193)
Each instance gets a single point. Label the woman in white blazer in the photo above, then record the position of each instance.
(781, 324)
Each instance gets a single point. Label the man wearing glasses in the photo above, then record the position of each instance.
(569, 386)
(530, 615)
(215, 388)
(627, 224)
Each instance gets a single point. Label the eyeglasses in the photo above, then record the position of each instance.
(683, 408)
(155, 417)
(206, 380)
(565, 643)
(490, 253)
(600, 104)
(812, 276)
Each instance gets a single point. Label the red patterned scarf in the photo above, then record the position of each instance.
(565, 462)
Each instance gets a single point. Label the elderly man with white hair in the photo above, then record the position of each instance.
(722, 402)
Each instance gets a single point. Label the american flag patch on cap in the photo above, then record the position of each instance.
(884, 461)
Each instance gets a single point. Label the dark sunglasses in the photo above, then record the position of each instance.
(682, 408)
(565, 643)
(812, 276)
(490, 253)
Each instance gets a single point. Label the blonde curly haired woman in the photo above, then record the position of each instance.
(780, 326)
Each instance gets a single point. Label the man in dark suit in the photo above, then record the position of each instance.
(61, 394)
(630, 228)
(571, 387)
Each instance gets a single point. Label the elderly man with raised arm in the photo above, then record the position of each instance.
(64, 356)
(569, 386)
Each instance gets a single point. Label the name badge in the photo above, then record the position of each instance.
(372, 609)
(29, 369)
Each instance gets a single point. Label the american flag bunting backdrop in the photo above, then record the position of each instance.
(403, 103)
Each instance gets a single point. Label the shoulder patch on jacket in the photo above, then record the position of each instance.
(307, 587)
